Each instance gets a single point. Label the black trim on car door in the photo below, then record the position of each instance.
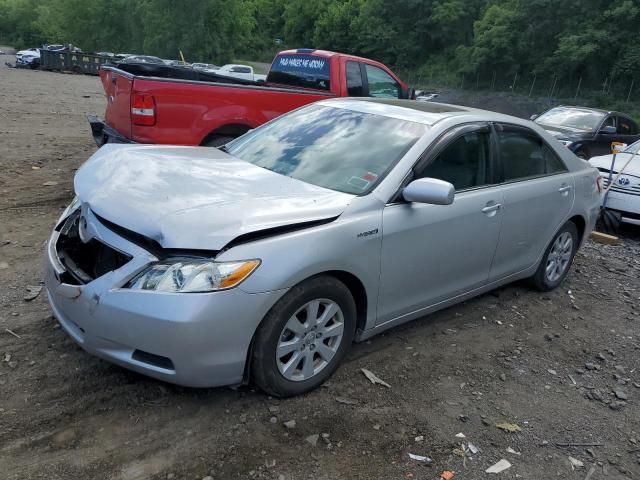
(443, 141)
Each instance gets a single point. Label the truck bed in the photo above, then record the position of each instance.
(190, 106)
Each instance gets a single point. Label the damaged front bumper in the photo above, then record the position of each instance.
(191, 339)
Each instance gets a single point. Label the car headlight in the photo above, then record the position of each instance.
(193, 275)
(73, 206)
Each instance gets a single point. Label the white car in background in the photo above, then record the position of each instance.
(204, 66)
(244, 72)
(29, 56)
(624, 195)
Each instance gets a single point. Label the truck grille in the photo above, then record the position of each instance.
(85, 261)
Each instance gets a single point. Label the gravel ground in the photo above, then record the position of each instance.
(561, 366)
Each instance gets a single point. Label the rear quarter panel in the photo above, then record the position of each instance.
(117, 88)
(587, 199)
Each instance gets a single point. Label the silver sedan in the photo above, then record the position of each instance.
(264, 260)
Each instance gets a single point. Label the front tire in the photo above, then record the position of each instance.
(304, 337)
(557, 259)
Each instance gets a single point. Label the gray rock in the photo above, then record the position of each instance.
(503, 377)
(590, 366)
(274, 409)
(617, 405)
(273, 419)
(290, 424)
(596, 395)
(620, 394)
(312, 439)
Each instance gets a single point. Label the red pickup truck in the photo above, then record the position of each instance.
(176, 105)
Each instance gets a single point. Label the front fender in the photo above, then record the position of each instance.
(348, 245)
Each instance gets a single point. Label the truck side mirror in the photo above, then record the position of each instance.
(608, 130)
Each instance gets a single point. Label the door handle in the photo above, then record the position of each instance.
(492, 208)
(564, 188)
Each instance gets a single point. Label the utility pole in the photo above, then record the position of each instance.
(578, 89)
(535, 75)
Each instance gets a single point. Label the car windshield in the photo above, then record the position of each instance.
(330, 147)
(633, 148)
(572, 118)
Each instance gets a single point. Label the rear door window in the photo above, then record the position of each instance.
(523, 154)
(306, 71)
(355, 87)
(381, 84)
(626, 126)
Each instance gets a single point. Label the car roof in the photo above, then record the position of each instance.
(428, 113)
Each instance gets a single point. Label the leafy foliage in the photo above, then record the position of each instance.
(587, 39)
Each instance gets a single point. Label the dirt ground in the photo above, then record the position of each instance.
(562, 366)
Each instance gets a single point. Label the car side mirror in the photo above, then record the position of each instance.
(608, 129)
(429, 190)
(534, 116)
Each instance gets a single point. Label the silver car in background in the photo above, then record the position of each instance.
(265, 259)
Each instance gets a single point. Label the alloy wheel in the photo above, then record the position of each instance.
(310, 339)
(559, 257)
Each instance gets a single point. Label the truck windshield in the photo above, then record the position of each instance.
(330, 147)
(304, 71)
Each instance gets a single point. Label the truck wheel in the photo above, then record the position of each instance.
(304, 337)
(217, 141)
(557, 259)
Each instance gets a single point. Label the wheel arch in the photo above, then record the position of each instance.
(581, 225)
(358, 292)
(229, 130)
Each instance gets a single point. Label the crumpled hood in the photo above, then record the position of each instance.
(196, 197)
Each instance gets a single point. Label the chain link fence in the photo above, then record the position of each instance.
(609, 91)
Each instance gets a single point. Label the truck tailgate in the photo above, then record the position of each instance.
(117, 87)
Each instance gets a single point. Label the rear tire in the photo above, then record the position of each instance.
(217, 141)
(304, 337)
(557, 259)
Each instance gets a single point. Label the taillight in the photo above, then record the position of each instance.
(599, 184)
(143, 109)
